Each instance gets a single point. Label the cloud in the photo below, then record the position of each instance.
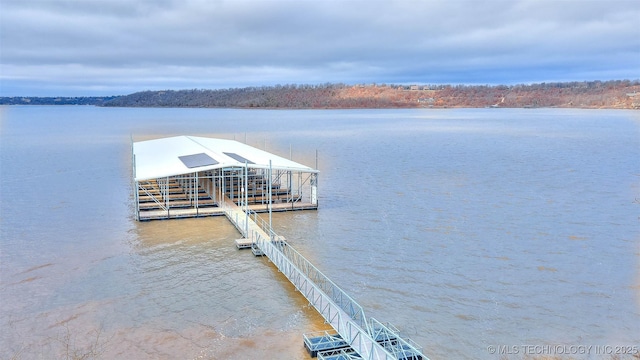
(120, 46)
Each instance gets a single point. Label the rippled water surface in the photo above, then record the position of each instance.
(464, 228)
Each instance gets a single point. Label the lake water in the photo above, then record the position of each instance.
(465, 228)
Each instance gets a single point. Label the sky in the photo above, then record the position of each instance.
(117, 47)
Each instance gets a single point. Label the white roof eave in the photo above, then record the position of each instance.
(160, 158)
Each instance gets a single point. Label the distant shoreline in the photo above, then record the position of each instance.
(614, 94)
(328, 108)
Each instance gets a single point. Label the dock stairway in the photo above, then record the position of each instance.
(365, 339)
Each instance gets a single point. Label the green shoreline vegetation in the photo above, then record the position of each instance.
(613, 94)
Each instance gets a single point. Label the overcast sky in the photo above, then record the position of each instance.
(115, 47)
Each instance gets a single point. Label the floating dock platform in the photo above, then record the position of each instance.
(323, 341)
(188, 176)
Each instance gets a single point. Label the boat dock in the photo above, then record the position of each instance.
(188, 176)
(355, 336)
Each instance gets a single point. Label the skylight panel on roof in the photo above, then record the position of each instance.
(237, 157)
(197, 160)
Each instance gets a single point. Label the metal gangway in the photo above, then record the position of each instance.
(370, 339)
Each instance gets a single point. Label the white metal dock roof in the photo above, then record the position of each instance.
(187, 154)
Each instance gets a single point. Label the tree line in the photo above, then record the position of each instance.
(616, 94)
(31, 100)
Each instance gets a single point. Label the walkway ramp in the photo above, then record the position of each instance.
(369, 339)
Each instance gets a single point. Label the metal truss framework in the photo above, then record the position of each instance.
(369, 339)
(200, 193)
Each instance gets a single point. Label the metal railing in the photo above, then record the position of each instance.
(342, 354)
(306, 268)
(146, 191)
(369, 339)
(389, 336)
(337, 308)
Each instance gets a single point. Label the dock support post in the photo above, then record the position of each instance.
(196, 192)
(136, 183)
(245, 189)
(270, 200)
(165, 190)
(314, 189)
